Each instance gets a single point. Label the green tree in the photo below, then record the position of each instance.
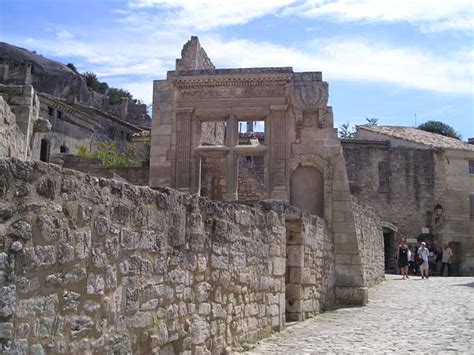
(72, 67)
(115, 95)
(345, 132)
(372, 121)
(440, 128)
(93, 82)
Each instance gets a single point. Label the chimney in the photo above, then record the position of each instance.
(470, 140)
(71, 99)
(28, 77)
(124, 108)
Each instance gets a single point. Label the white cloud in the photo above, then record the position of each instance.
(206, 14)
(431, 15)
(349, 59)
(355, 60)
(428, 15)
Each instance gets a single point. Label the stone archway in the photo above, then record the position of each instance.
(307, 190)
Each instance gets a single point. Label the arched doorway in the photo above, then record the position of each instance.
(44, 152)
(307, 190)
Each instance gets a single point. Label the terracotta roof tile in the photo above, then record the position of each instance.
(419, 136)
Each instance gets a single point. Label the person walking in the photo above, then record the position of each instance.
(402, 257)
(411, 261)
(446, 259)
(423, 253)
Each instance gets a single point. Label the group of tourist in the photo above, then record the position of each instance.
(417, 261)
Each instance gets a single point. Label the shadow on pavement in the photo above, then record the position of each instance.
(470, 284)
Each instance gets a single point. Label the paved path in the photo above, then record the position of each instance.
(423, 316)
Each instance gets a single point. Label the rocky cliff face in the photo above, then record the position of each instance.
(19, 66)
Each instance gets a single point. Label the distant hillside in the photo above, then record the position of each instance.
(20, 66)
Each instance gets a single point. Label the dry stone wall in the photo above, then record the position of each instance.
(370, 241)
(94, 265)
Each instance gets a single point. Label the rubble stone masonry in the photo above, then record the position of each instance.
(94, 265)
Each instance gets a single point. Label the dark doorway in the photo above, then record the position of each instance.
(456, 261)
(389, 251)
(44, 152)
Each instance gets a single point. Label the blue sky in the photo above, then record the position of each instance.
(389, 59)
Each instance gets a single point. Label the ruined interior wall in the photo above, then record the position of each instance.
(193, 57)
(12, 139)
(96, 265)
(213, 177)
(212, 133)
(370, 242)
(251, 178)
(409, 190)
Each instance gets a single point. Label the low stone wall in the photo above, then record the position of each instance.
(94, 265)
(133, 175)
(370, 240)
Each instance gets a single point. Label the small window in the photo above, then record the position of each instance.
(384, 177)
(50, 111)
(471, 205)
(121, 134)
(471, 166)
(129, 137)
(60, 114)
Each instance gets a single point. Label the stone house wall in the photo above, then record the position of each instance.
(12, 139)
(19, 131)
(400, 183)
(94, 265)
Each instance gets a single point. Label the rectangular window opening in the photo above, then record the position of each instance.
(251, 132)
(471, 166)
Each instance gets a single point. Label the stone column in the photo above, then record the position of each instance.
(279, 152)
(183, 149)
(195, 158)
(232, 136)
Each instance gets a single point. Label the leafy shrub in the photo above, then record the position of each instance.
(109, 156)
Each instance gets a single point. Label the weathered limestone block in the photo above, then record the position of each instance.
(43, 305)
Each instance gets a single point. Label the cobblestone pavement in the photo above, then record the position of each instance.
(422, 316)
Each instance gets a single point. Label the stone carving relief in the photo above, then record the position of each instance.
(232, 92)
(310, 94)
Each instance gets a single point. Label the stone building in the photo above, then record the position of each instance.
(421, 184)
(196, 147)
(91, 265)
(75, 124)
(20, 122)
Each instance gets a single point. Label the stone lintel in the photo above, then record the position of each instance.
(278, 107)
(211, 150)
(184, 110)
(251, 150)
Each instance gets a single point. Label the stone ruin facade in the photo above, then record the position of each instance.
(91, 265)
(198, 111)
